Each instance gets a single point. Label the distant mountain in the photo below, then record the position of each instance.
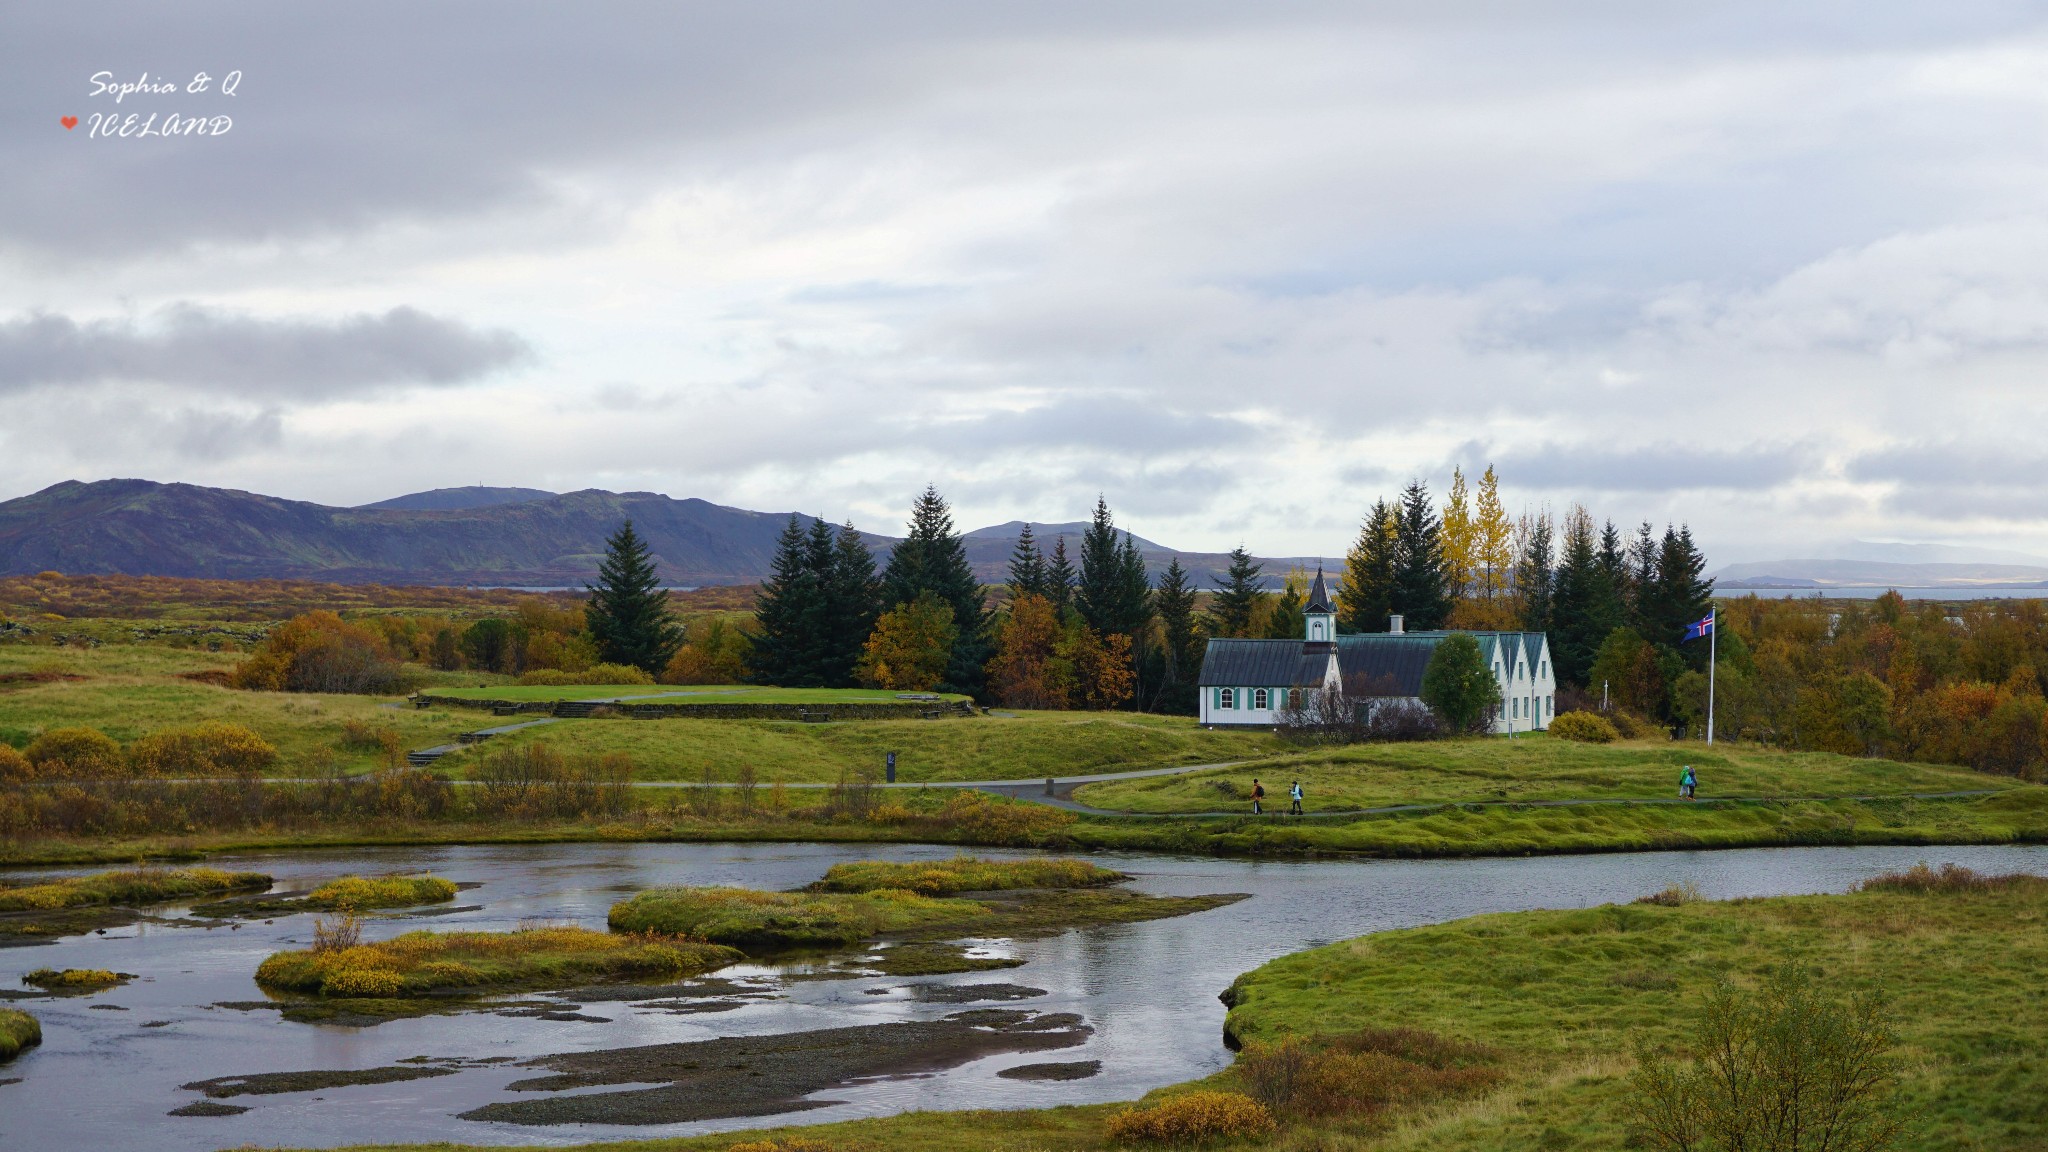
(1815, 573)
(481, 536)
(458, 499)
(142, 528)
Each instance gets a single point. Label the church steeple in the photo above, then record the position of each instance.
(1319, 620)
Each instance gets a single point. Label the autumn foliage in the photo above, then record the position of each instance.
(1048, 660)
(321, 652)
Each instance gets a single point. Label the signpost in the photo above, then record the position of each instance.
(892, 768)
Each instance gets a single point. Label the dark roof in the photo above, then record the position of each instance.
(1261, 664)
(1385, 663)
(1318, 596)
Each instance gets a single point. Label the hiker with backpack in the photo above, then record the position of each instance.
(1688, 784)
(1294, 794)
(1258, 794)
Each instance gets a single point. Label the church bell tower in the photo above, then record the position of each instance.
(1319, 620)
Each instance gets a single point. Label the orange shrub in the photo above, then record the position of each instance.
(1191, 1119)
(321, 652)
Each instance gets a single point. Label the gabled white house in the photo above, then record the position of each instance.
(1248, 683)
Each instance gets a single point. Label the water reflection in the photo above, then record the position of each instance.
(1149, 990)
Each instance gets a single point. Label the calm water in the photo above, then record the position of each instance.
(100, 1080)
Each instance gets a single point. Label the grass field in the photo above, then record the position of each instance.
(126, 690)
(1564, 994)
(1023, 746)
(1530, 768)
(683, 694)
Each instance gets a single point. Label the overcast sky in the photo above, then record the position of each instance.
(1778, 270)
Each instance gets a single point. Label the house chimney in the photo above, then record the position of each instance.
(1396, 624)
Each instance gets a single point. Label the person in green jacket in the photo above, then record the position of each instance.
(1688, 783)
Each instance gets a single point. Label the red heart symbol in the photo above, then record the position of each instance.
(69, 122)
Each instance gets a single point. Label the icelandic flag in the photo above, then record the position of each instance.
(1704, 626)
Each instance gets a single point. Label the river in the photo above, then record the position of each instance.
(103, 1080)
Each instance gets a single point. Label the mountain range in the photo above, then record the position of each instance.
(507, 537)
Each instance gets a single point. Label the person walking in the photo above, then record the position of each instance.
(1294, 794)
(1258, 794)
(1688, 783)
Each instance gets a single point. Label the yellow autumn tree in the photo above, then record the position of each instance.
(1493, 540)
(1460, 550)
(1028, 670)
(910, 646)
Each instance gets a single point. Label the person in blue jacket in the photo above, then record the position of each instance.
(1688, 783)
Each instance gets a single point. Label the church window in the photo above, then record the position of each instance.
(1260, 699)
(1226, 698)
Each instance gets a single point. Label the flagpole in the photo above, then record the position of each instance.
(1713, 641)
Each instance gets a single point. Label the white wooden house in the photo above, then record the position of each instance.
(1248, 683)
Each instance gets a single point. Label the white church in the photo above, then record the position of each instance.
(1248, 683)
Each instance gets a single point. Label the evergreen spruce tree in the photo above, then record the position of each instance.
(1287, 621)
(1642, 579)
(1113, 595)
(1238, 597)
(932, 559)
(1583, 606)
(1420, 593)
(1680, 594)
(1027, 567)
(1181, 650)
(855, 603)
(1059, 576)
(787, 648)
(1614, 563)
(1367, 595)
(1534, 574)
(627, 613)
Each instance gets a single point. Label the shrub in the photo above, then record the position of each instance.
(1949, 879)
(1458, 684)
(532, 781)
(213, 748)
(1585, 727)
(789, 1144)
(986, 820)
(1635, 727)
(321, 652)
(1784, 1067)
(1191, 1119)
(361, 736)
(1364, 1072)
(339, 934)
(1674, 896)
(14, 767)
(75, 754)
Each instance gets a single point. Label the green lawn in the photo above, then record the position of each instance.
(1564, 993)
(1004, 747)
(683, 694)
(128, 690)
(1530, 768)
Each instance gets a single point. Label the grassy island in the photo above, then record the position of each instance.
(871, 901)
(18, 1030)
(473, 963)
(347, 894)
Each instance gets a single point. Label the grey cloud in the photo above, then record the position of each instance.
(1953, 464)
(1664, 467)
(211, 351)
(1115, 424)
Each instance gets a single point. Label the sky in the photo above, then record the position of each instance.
(1775, 270)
